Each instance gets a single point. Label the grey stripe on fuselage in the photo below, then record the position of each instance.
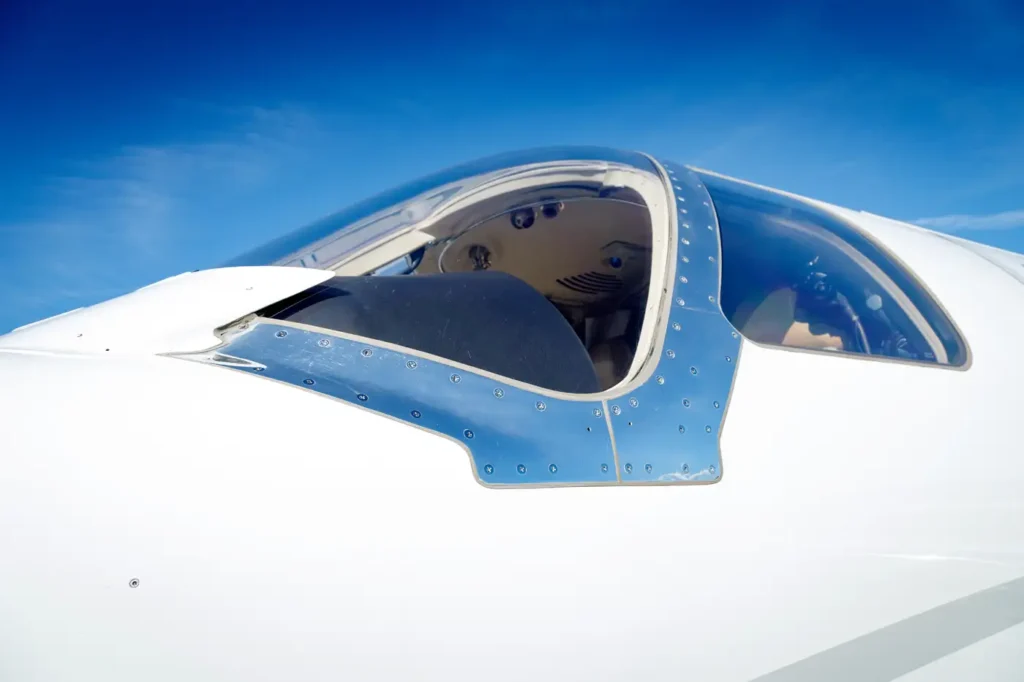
(900, 648)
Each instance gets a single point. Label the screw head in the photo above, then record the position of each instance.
(670, 353)
(648, 468)
(362, 397)
(616, 410)
(366, 352)
(629, 468)
(281, 334)
(416, 414)
(597, 413)
(308, 382)
(633, 402)
(676, 326)
(323, 343)
(693, 371)
(686, 402)
(604, 468)
(716, 405)
(553, 469)
(411, 364)
(541, 406)
(468, 434)
(498, 393)
(133, 583)
(488, 469)
(660, 380)
(455, 378)
(521, 468)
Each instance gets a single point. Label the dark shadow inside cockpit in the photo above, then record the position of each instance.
(487, 320)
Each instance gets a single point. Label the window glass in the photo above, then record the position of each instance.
(794, 275)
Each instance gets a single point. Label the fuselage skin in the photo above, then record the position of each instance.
(276, 534)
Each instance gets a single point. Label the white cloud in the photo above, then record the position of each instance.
(100, 226)
(1007, 220)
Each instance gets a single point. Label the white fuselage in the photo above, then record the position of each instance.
(277, 534)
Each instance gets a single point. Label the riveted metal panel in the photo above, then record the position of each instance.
(665, 430)
(668, 428)
(515, 436)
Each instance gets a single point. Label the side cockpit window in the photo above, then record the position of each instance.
(794, 275)
(548, 286)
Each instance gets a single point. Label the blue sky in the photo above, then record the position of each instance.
(140, 140)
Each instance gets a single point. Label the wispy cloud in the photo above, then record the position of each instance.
(961, 222)
(107, 223)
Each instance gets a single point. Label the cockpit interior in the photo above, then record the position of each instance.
(583, 250)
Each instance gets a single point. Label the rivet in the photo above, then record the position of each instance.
(678, 188)
(258, 369)
(281, 334)
(686, 468)
(707, 429)
(680, 301)
(711, 468)
(597, 413)
(693, 371)
(323, 343)
(728, 359)
(416, 414)
(660, 380)
(671, 353)
(686, 242)
(683, 210)
(604, 468)
(521, 468)
(707, 204)
(455, 378)
(682, 429)
(683, 280)
(488, 469)
(553, 469)
(686, 259)
(676, 326)
(133, 583)
(648, 468)
(711, 259)
(711, 298)
(716, 405)
(468, 434)
(686, 226)
(629, 468)
(362, 397)
(710, 228)
(686, 402)
(735, 335)
(633, 402)
(308, 382)
(616, 410)
(498, 393)
(366, 352)
(411, 364)
(541, 406)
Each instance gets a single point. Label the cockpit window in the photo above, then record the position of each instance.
(794, 275)
(546, 285)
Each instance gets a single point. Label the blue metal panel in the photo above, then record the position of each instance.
(515, 436)
(668, 428)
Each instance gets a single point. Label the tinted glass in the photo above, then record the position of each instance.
(795, 275)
